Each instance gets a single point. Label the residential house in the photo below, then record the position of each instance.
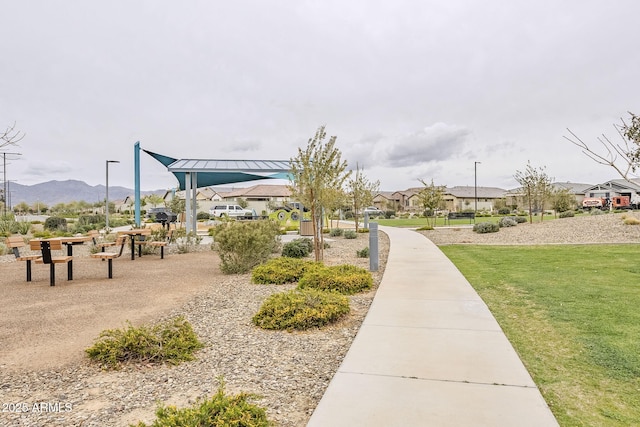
(616, 187)
(384, 200)
(464, 198)
(260, 197)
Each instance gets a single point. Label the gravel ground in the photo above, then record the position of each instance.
(44, 331)
(609, 228)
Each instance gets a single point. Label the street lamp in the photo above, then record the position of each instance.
(106, 199)
(475, 184)
(6, 189)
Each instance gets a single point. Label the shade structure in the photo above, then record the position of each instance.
(221, 172)
(194, 173)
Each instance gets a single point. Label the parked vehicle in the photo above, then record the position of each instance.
(220, 211)
(373, 211)
(616, 202)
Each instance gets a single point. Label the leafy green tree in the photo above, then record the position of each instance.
(21, 208)
(242, 202)
(336, 198)
(431, 198)
(314, 171)
(562, 200)
(536, 187)
(361, 192)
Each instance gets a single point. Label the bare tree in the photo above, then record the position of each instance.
(623, 157)
(536, 185)
(361, 192)
(10, 136)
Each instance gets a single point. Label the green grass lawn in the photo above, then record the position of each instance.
(573, 315)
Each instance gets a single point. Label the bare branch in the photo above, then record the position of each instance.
(11, 136)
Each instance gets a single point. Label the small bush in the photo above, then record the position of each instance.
(335, 232)
(566, 214)
(350, 234)
(345, 279)
(389, 214)
(596, 211)
(520, 219)
(507, 222)
(201, 216)
(297, 248)
(281, 270)
(172, 342)
(504, 211)
(363, 253)
(363, 230)
(220, 410)
(55, 223)
(486, 227)
(243, 245)
(631, 221)
(301, 309)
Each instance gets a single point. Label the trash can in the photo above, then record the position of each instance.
(306, 228)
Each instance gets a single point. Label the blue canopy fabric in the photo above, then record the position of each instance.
(220, 172)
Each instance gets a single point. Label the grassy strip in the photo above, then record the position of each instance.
(571, 312)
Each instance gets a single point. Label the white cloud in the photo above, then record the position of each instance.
(434, 143)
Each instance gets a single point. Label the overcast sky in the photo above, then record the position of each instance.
(412, 88)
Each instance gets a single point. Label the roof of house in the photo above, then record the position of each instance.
(617, 184)
(471, 191)
(572, 187)
(261, 191)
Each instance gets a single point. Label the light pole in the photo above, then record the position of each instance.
(106, 198)
(475, 185)
(6, 189)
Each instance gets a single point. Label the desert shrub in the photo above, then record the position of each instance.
(389, 214)
(507, 222)
(243, 245)
(301, 309)
(504, 211)
(23, 227)
(55, 223)
(172, 342)
(486, 227)
(363, 230)
(92, 220)
(350, 234)
(363, 253)
(348, 215)
(3, 249)
(520, 219)
(8, 227)
(631, 221)
(335, 232)
(200, 216)
(297, 248)
(596, 211)
(219, 410)
(345, 279)
(566, 214)
(281, 270)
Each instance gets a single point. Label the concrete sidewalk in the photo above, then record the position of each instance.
(429, 353)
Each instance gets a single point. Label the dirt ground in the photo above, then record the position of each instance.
(44, 325)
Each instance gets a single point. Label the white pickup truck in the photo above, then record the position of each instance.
(220, 211)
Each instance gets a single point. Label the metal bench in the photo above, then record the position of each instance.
(458, 215)
(16, 243)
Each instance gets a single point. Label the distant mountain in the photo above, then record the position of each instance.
(53, 192)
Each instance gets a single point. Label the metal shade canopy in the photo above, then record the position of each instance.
(194, 173)
(221, 172)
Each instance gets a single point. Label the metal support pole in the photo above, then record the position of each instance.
(136, 178)
(187, 201)
(373, 247)
(475, 186)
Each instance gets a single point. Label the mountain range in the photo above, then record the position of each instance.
(54, 192)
